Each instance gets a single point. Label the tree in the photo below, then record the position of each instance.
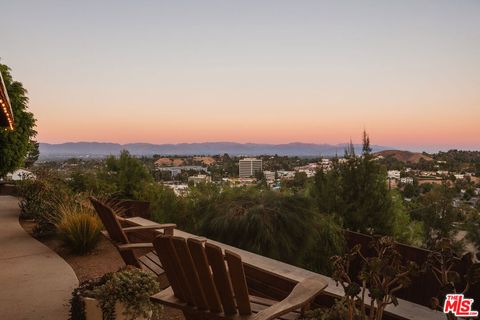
(367, 204)
(16, 144)
(33, 154)
(277, 225)
(437, 213)
(127, 173)
(472, 226)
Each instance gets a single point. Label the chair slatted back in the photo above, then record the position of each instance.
(114, 230)
(197, 250)
(199, 275)
(191, 275)
(221, 278)
(239, 282)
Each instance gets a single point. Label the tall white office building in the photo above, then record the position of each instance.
(248, 167)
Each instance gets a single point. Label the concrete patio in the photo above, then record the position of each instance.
(36, 283)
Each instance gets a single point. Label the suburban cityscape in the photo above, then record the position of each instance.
(194, 160)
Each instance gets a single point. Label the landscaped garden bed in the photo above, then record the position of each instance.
(100, 261)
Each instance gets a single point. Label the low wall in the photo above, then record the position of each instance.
(424, 285)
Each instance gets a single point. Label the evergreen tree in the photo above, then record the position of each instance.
(367, 203)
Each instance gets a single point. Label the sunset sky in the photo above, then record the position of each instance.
(249, 71)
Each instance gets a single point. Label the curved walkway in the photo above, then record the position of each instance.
(35, 283)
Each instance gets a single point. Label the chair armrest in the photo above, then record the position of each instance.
(132, 246)
(303, 293)
(150, 227)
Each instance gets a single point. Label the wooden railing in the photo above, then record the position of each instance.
(274, 279)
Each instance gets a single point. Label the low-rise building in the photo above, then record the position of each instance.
(199, 178)
(406, 180)
(269, 175)
(20, 174)
(393, 174)
(283, 174)
(240, 182)
(310, 169)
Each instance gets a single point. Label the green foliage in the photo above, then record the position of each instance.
(16, 144)
(411, 190)
(164, 204)
(78, 225)
(40, 199)
(383, 274)
(282, 226)
(356, 191)
(265, 222)
(339, 311)
(127, 173)
(458, 160)
(298, 183)
(442, 262)
(94, 182)
(85, 289)
(33, 154)
(437, 213)
(472, 226)
(132, 287)
(405, 229)
(328, 239)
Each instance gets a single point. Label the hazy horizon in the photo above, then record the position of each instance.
(264, 72)
(431, 149)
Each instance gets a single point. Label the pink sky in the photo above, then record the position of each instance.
(278, 72)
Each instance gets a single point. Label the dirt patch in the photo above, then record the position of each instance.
(103, 259)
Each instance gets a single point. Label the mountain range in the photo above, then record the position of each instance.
(102, 149)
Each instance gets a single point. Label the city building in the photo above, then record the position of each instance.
(248, 167)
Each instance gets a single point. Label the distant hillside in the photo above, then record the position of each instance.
(100, 149)
(404, 156)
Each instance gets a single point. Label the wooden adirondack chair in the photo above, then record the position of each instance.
(204, 287)
(118, 236)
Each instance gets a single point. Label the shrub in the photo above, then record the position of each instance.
(40, 200)
(328, 240)
(78, 226)
(276, 225)
(339, 311)
(130, 286)
(165, 207)
(33, 201)
(382, 274)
